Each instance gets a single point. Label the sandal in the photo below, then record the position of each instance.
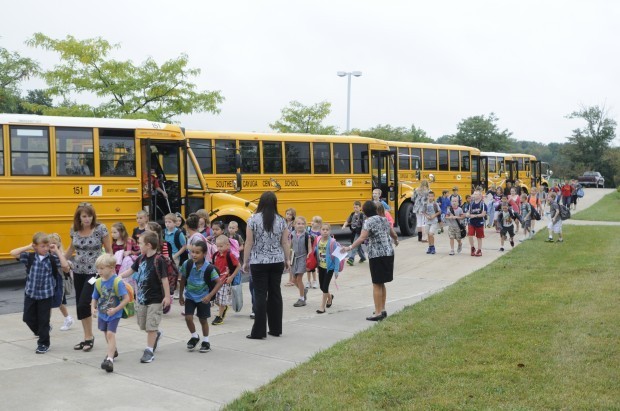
(320, 312)
(87, 345)
(331, 300)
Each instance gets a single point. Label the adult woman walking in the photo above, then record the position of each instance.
(420, 197)
(266, 254)
(87, 238)
(380, 255)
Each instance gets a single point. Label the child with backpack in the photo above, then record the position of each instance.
(153, 290)
(228, 266)
(41, 285)
(328, 265)
(555, 220)
(124, 247)
(526, 217)
(289, 216)
(444, 204)
(199, 285)
(431, 213)
(506, 221)
(315, 231)
(355, 221)
(110, 296)
(175, 237)
(456, 229)
(301, 245)
(68, 320)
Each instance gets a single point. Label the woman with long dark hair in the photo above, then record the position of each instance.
(87, 238)
(267, 254)
(378, 231)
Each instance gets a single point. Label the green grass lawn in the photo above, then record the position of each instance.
(537, 329)
(607, 209)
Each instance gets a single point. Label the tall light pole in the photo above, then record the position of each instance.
(348, 74)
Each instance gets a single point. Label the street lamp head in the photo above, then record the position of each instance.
(341, 74)
(356, 73)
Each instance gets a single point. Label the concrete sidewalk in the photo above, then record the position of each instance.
(72, 380)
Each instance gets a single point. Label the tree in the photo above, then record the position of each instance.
(13, 69)
(297, 118)
(482, 132)
(387, 132)
(149, 90)
(588, 145)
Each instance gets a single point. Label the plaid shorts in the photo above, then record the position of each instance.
(224, 295)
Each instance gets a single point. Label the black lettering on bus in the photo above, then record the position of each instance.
(250, 183)
(291, 183)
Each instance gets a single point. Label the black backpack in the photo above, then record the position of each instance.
(207, 272)
(59, 289)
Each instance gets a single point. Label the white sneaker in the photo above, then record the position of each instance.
(315, 284)
(308, 285)
(67, 324)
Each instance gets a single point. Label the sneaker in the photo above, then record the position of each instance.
(561, 240)
(350, 262)
(433, 250)
(315, 284)
(362, 260)
(308, 284)
(176, 295)
(479, 253)
(501, 249)
(512, 242)
(473, 251)
(299, 303)
(42, 349)
(533, 232)
(429, 250)
(218, 321)
(148, 356)
(67, 324)
(107, 365)
(224, 313)
(459, 248)
(205, 346)
(451, 252)
(191, 344)
(549, 240)
(252, 315)
(159, 334)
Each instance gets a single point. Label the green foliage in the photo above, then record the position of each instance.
(149, 90)
(482, 132)
(297, 118)
(388, 132)
(13, 70)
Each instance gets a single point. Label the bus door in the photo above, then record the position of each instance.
(513, 170)
(162, 179)
(384, 177)
(480, 172)
(475, 172)
(535, 172)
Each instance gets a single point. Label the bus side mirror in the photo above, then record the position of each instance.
(237, 161)
(238, 182)
(418, 174)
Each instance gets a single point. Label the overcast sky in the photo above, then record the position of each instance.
(427, 63)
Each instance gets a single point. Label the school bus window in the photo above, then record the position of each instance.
(170, 163)
(29, 151)
(454, 160)
(250, 157)
(342, 158)
(225, 156)
(491, 164)
(443, 160)
(360, 159)
(322, 158)
(192, 176)
(520, 163)
(430, 159)
(465, 162)
(203, 154)
(526, 164)
(117, 154)
(74, 152)
(403, 159)
(416, 154)
(272, 157)
(1, 151)
(297, 157)
(500, 164)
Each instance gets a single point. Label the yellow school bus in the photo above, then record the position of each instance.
(445, 166)
(314, 174)
(519, 169)
(48, 165)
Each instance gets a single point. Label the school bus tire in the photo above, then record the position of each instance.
(406, 219)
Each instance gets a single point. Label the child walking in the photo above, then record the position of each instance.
(355, 221)
(199, 285)
(477, 213)
(152, 293)
(228, 266)
(315, 231)
(526, 217)
(176, 239)
(431, 213)
(68, 320)
(142, 218)
(110, 296)
(290, 216)
(301, 245)
(453, 217)
(505, 220)
(41, 266)
(327, 265)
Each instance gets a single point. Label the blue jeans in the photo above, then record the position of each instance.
(491, 213)
(359, 250)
